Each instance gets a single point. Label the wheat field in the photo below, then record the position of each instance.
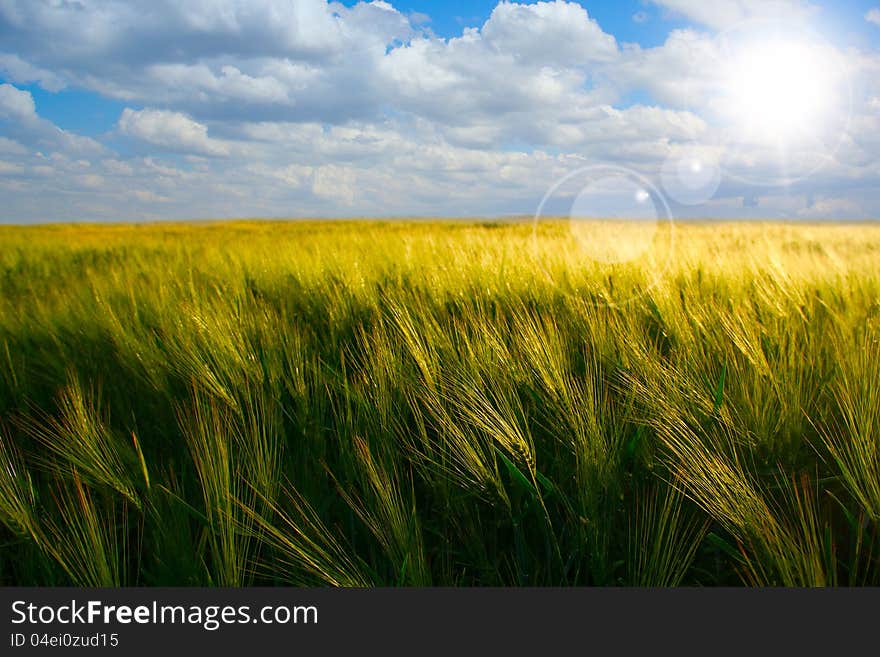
(439, 403)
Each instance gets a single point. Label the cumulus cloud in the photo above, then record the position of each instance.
(873, 15)
(18, 117)
(17, 70)
(548, 33)
(101, 44)
(178, 31)
(171, 130)
(16, 104)
(316, 108)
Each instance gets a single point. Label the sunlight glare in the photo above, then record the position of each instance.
(779, 91)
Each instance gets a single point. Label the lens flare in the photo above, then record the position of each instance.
(691, 176)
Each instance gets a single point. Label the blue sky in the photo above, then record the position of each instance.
(146, 110)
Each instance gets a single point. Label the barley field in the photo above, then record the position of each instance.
(438, 403)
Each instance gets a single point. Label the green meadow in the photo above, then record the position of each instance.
(439, 404)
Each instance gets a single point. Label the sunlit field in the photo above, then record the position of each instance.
(439, 404)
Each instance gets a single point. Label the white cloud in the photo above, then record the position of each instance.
(89, 181)
(873, 16)
(9, 168)
(228, 83)
(337, 183)
(306, 60)
(16, 104)
(524, 76)
(117, 167)
(171, 130)
(146, 196)
(17, 70)
(11, 147)
(548, 33)
(113, 38)
(832, 208)
(723, 14)
(315, 108)
(17, 108)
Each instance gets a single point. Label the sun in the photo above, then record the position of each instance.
(781, 91)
